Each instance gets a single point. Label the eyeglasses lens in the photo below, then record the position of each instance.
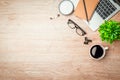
(79, 32)
(71, 25)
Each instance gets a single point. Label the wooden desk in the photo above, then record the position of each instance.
(33, 47)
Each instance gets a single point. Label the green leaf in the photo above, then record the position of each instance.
(110, 31)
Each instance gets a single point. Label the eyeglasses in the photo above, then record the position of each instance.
(73, 25)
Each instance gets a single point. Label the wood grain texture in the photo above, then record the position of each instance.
(33, 47)
(116, 17)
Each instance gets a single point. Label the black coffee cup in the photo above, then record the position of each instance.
(98, 51)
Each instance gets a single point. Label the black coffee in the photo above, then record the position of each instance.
(96, 51)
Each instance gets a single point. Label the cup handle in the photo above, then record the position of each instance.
(106, 48)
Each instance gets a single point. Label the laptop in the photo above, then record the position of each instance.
(104, 11)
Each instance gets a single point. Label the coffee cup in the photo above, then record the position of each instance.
(97, 51)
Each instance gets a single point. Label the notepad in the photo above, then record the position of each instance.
(90, 7)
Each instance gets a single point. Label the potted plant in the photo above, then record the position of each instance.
(110, 31)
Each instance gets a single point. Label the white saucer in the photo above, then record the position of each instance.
(66, 7)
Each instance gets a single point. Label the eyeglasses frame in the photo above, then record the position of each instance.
(76, 26)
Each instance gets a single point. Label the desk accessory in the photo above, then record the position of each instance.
(85, 9)
(110, 31)
(105, 10)
(86, 13)
(73, 25)
(87, 40)
(97, 52)
(58, 15)
(66, 7)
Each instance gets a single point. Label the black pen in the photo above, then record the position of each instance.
(85, 10)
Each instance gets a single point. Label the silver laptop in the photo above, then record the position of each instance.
(104, 11)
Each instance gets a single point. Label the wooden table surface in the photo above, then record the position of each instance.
(33, 47)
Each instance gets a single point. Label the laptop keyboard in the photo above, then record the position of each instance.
(105, 8)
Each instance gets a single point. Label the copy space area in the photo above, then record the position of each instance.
(33, 47)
